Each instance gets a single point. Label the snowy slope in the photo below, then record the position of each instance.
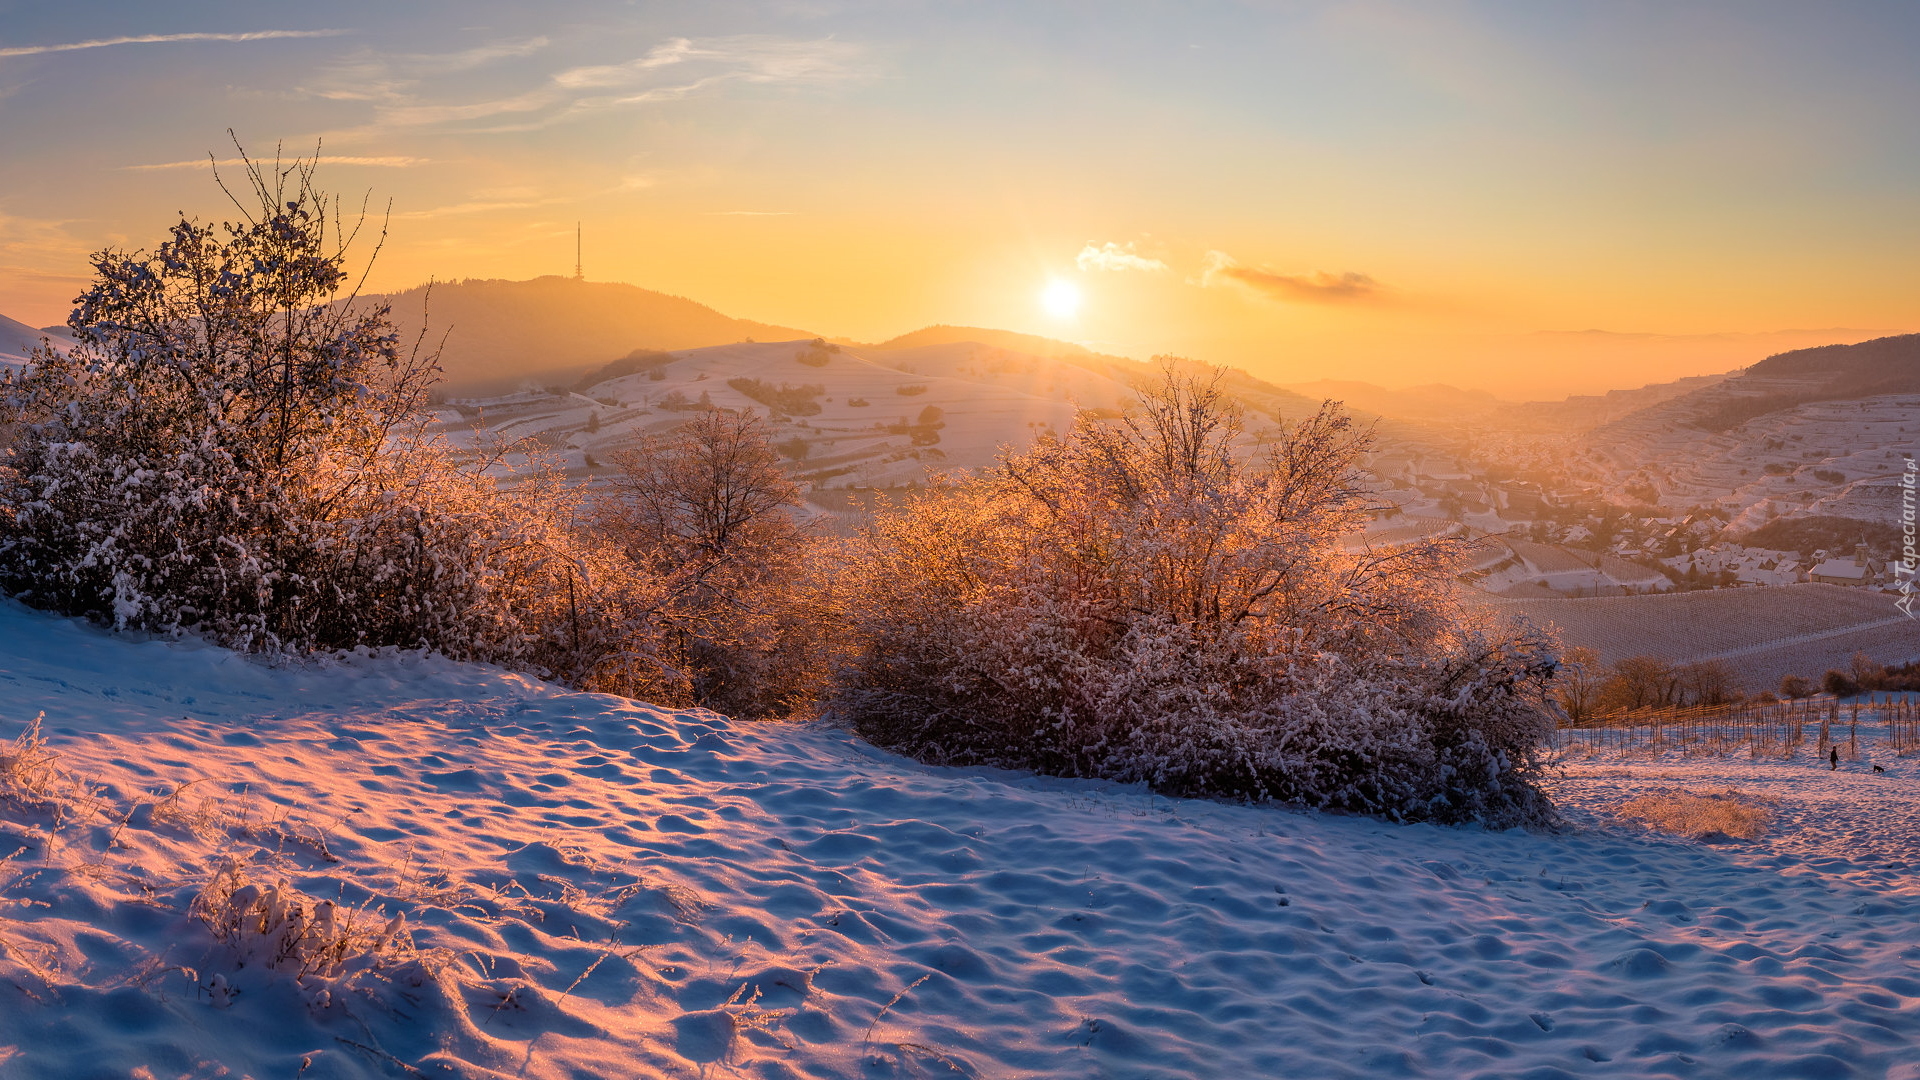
(864, 426)
(17, 340)
(596, 888)
(864, 430)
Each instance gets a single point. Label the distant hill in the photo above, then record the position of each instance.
(942, 334)
(17, 339)
(1258, 394)
(840, 419)
(503, 335)
(845, 419)
(1432, 402)
(1581, 412)
(1444, 405)
(1814, 432)
(1888, 365)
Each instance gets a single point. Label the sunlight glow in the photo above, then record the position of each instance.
(1060, 298)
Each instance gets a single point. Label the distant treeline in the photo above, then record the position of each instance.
(1826, 532)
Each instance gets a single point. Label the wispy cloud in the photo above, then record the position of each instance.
(390, 78)
(477, 207)
(750, 213)
(329, 159)
(24, 233)
(1318, 287)
(749, 57)
(671, 71)
(166, 39)
(426, 115)
(1112, 256)
(38, 253)
(478, 56)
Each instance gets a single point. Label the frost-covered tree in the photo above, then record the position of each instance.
(704, 514)
(1152, 601)
(234, 447)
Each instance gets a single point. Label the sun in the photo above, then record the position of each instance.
(1060, 298)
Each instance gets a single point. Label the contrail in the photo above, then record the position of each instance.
(154, 39)
(330, 159)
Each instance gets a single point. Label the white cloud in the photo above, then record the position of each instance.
(1112, 256)
(164, 39)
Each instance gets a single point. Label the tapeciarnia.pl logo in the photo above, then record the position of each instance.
(1904, 569)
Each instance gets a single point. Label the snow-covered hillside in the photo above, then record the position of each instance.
(852, 420)
(596, 888)
(849, 418)
(17, 340)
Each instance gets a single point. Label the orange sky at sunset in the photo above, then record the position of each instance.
(1401, 193)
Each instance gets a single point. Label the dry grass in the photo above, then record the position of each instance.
(277, 927)
(30, 775)
(1699, 815)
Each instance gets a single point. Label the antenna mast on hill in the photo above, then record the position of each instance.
(578, 273)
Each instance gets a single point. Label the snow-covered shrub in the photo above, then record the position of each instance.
(1142, 602)
(237, 449)
(718, 609)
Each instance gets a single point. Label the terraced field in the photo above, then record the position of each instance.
(1761, 633)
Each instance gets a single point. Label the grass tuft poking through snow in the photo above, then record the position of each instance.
(31, 779)
(1730, 813)
(278, 927)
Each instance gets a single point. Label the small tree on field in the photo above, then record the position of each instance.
(1706, 682)
(1839, 684)
(1865, 673)
(1795, 686)
(1146, 601)
(1579, 683)
(1638, 682)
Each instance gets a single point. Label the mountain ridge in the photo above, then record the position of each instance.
(501, 335)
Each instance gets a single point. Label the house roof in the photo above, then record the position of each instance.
(1840, 568)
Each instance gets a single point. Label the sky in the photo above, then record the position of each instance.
(1403, 193)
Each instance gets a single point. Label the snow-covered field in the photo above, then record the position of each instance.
(596, 888)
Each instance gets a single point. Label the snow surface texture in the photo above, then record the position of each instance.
(596, 888)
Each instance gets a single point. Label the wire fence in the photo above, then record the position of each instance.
(1764, 729)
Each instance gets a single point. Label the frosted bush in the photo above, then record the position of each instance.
(236, 448)
(1143, 602)
(720, 609)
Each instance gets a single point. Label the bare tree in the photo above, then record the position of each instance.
(707, 511)
(1579, 683)
(1706, 682)
(710, 491)
(1638, 682)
